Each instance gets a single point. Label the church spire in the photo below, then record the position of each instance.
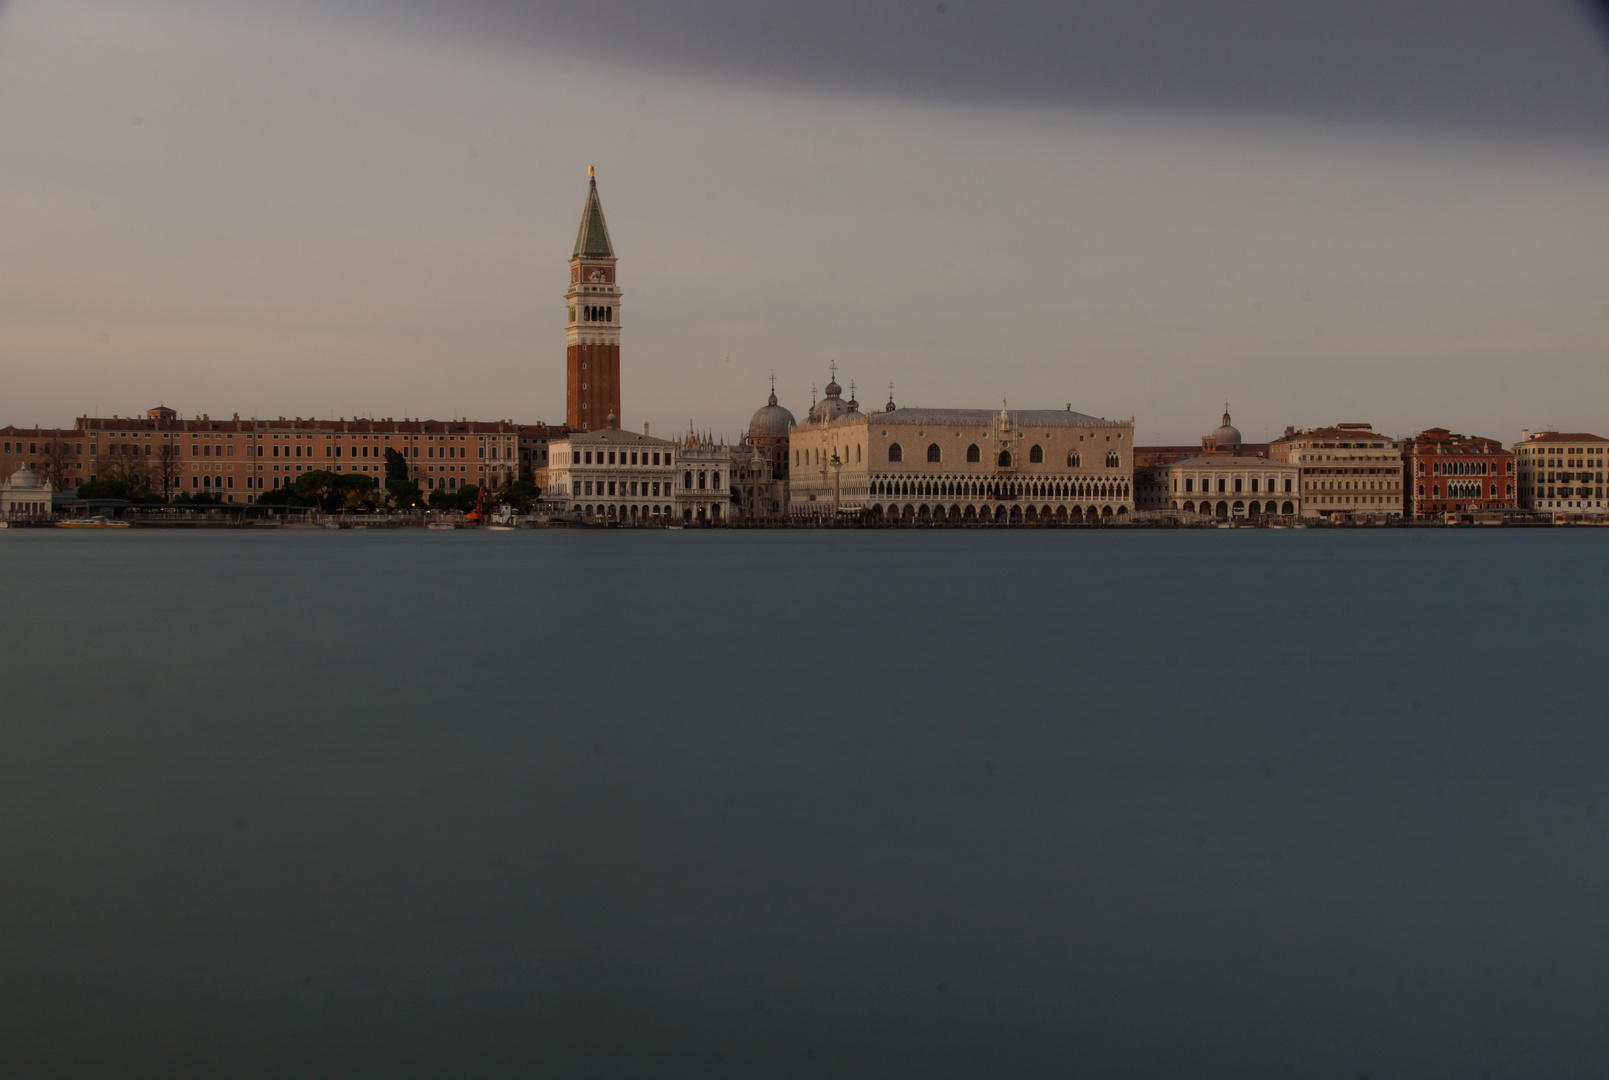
(593, 237)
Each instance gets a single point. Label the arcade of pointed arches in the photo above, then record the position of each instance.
(946, 497)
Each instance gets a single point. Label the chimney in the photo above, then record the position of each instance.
(1525, 434)
(645, 428)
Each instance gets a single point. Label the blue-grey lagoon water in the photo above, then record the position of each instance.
(798, 804)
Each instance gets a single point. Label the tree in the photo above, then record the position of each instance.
(441, 499)
(396, 466)
(404, 493)
(168, 467)
(132, 470)
(330, 491)
(520, 494)
(55, 464)
(466, 496)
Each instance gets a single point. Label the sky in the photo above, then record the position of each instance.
(1393, 214)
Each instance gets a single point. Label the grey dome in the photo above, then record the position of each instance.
(770, 421)
(1227, 434)
(830, 407)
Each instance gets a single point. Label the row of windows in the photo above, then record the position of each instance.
(1463, 489)
(975, 489)
(1565, 477)
(584, 457)
(1465, 468)
(1539, 451)
(594, 313)
(1223, 484)
(1036, 456)
(1564, 492)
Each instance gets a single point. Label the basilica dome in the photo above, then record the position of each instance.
(830, 407)
(770, 421)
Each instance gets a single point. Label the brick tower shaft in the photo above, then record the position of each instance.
(592, 334)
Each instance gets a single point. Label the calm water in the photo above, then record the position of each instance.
(1154, 804)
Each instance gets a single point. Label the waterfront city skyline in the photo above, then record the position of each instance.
(253, 249)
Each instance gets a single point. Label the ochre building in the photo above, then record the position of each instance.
(1349, 469)
(237, 459)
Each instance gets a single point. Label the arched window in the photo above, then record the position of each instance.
(895, 453)
(1072, 459)
(1036, 456)
(933, 451)
(1005, 457)
(972, 453)
(857, 451)
(1112, 460)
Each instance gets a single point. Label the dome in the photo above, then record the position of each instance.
(25, 478)
(830, 407)
(1227, 434)
(770, 421)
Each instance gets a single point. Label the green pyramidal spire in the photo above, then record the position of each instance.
(593, 238)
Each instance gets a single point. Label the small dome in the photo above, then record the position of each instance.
(25, 478)
(770, 421)
(830, 407)
(1227, 434)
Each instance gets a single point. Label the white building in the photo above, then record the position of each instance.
(23, 496)
(704, 469)
(1232, 487)
(956, 466)
(1562, 472)
(613, 475)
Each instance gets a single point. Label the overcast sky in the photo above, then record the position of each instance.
(1397, 213)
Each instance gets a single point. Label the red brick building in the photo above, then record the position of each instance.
(592, 335)
(1456, 474)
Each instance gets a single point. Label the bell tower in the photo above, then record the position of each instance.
(592, 334)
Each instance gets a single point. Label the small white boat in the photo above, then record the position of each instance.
(96, 522)
(441, 525)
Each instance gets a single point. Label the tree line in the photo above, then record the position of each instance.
(155, 479)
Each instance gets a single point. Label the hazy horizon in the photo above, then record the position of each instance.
(368, 210)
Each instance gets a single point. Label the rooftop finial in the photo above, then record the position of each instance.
(592, 172)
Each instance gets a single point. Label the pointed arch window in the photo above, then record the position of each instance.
(1036, 456)
(1005, 458)
(895, 453)
(933, 452)
(1112, 460)
(972, 453)
(1072, 459)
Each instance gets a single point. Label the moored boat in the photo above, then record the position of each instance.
(96, 522)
